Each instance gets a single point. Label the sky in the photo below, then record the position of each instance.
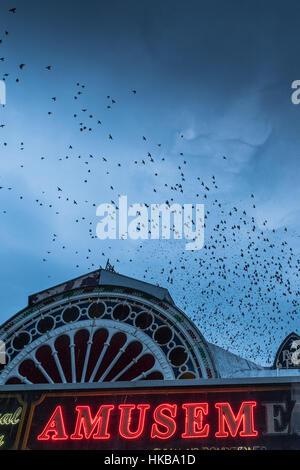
(217, 73)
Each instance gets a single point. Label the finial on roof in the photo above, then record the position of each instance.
(109, 267)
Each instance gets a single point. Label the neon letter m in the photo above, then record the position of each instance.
(244, 419)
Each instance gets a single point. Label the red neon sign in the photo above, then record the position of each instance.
(164, 420)
(192, 420)
(55, 428)
(126, 417)
(245, 416)
(88, 424)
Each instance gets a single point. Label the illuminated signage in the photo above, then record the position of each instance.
(163, 426)
(266, 417)
(12, 410)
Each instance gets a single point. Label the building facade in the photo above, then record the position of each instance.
(80, 350)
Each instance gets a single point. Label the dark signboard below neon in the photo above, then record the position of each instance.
(248, 417)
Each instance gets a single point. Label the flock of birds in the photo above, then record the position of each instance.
(236, 288)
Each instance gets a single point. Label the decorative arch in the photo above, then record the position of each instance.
(103, 333)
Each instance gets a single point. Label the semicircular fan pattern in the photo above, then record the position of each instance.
(103, 337)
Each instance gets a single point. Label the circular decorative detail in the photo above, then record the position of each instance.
(121, 312)
(143, 320)
(178, 356)
(45, 324)
(96, 310)
(163, 335)
(21, 341)
(70, 314)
